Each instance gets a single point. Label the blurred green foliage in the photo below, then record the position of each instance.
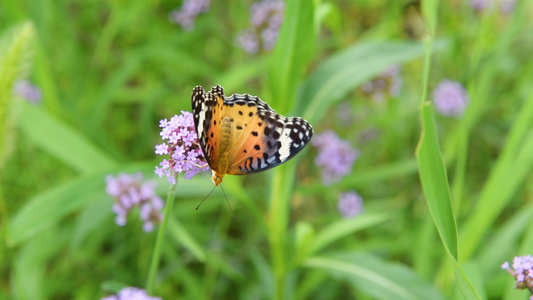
(110, 70)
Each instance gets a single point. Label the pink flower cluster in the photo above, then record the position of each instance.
(129, 192)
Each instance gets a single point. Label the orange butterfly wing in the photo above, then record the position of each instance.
(241, 134)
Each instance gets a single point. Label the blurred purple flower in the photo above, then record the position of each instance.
(350, 204)
(344, 114)
(247, 39)
(523, 272)
(480, 4)
(450, 98)
(183, 148)
(131, 293)
(189, 10)
(266, 18)
(335, 156)
(129, 192)
(507, 6)
(26, 90)
(389, 83)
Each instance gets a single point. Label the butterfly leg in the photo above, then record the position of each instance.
(199, 166)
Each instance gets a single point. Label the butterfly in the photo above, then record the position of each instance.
(241, 134)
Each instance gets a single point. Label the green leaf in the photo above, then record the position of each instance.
(343, 228)
(294, 49)
(376, 278)
(45, 209)
(435, 181)
(61, 141)
(344, 71)
(436, 189)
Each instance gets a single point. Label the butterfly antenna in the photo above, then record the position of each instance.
(234, 217)
(205, 198)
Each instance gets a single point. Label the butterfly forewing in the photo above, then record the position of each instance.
(203, 105)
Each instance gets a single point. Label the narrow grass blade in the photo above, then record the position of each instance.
(436, 189)
(344, 71)
(184, 238)
(47, 208)
(294, 49)
(508, 174)
(376, 278)
(343, 228)
(62, 141)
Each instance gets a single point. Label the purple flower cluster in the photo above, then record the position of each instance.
(506, 6)
(131, 293)
(182, 146)
(350, 204)
(189, 10)
(26, 90)
(450, 98)
(389, 83)
(335, 156)
(129, 192)
(266, 18)
(523, 272)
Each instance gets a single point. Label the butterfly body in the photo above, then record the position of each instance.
(241, 134)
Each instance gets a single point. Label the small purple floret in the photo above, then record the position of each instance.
(522, 271)
(335, 156)
(450, 98)
(26, 90)
(350, 204)
(131, 293)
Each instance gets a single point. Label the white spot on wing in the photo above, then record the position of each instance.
(285, 149)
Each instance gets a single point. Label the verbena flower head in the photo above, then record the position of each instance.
(26, 90)
(189, 10)
(266, 18)
(131, 293)
(388, 84)
(523, 272)
(182, 146)
(450, 98)
(130, 192)
(335, 156)
(350, 204)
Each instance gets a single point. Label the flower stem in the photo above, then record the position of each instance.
(156, 255)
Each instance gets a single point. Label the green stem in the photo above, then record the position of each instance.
(156, 255)
(279, 210)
